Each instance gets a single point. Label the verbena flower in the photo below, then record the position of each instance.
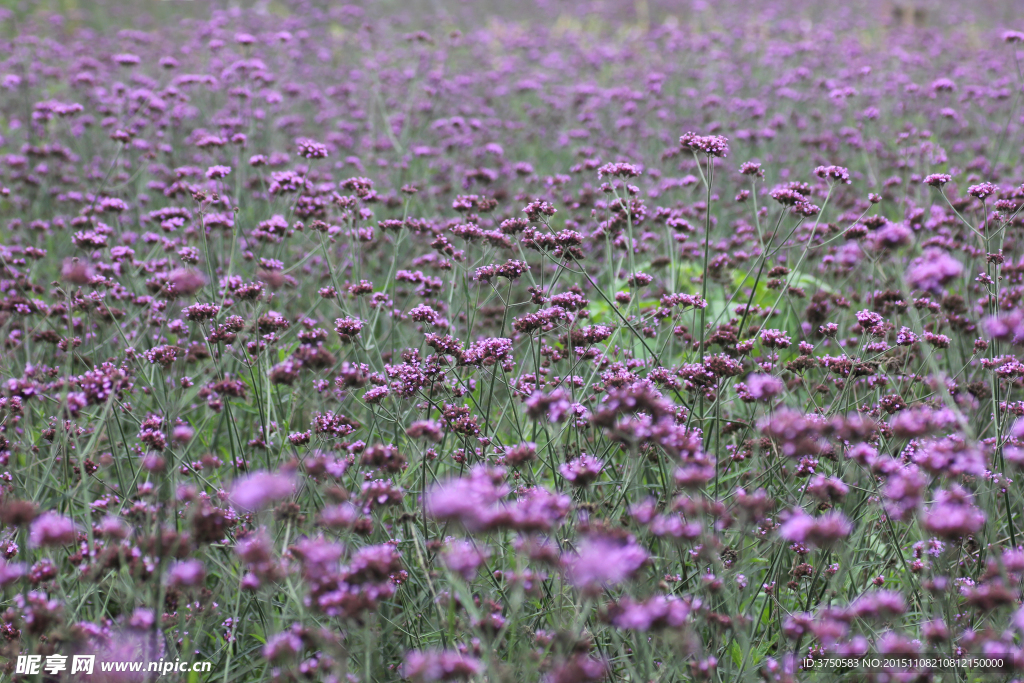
(602, 562)
(260, 489)
(440, 665)
(51, 529)
(934, 269)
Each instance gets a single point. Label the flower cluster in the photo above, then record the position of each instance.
(340, 347)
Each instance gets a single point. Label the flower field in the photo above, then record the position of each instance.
(658, 342)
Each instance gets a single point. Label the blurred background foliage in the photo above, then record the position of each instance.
(597, 16)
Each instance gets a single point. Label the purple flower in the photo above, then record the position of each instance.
(142, 619)
(796, 434)
(659, 612)
(834, 173)
(788, 196)
(1008, 327)
(520, 454)
(620, 170)
(711, 145)
(487, 352)
(340, 516)
(187, 573)
(819, 531)
(185, 282)
(10, 572)
(471, 500)
(953, 514)
(579, 668)
(76, 272)
(425, 429)
(932, 270)
(130, 644)
(536, 509)
(903, 492)
(983, 190)
(883, 604)
(348, 328)
(555, 405)
(752, 168)
(762, 387)
(465, 558)
(311, 149)
(260, 489)
(182, 434)
(582, 471)
(827, 489)
(374, 564)
(218, 172)
(602, 562)
(906, 337)
(282, 646)
(951, 457)
(425, 666)
(776, 339)
(873, 323)
(51, 529)
(126, 59)
(891, 236)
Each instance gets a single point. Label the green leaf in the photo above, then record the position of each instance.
(737, 653)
